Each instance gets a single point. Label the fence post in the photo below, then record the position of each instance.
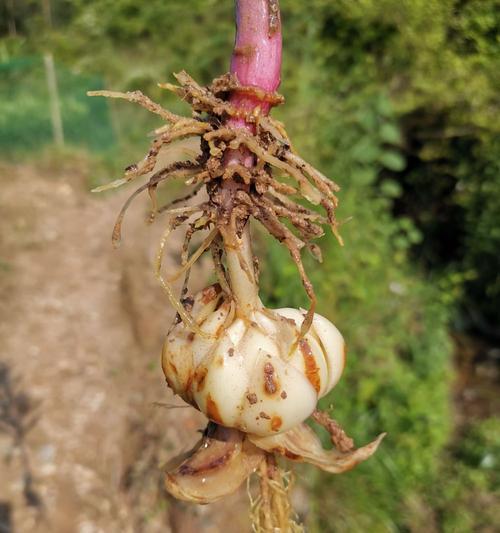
(12, 18)
(55, 105)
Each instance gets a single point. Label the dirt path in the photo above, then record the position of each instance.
(81, 444)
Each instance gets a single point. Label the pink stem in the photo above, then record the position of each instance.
(256, 60)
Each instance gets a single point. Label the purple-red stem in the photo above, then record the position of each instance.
(256, 62)
(256, 59)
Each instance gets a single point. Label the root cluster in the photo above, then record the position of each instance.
(269, 191)
(271, 510)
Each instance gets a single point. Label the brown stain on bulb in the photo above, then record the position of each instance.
(170, 383)
(211, 464)
(276, 423)
(288, 454)
(200, 376)
(312, 369)
(210, 293)
(271, 384)
(222, 326)
(292, 456)
(187, 389)
(173, 368)
(213, 410)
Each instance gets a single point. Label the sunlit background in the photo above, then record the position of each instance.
(399, 102)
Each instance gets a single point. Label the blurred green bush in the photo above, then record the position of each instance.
(398, 374)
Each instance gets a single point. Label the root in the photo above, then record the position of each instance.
(196, 255)
(272, 511)
(258, 191)
(338, 436)
(175, 302)
(280, 232)
(199, 224)
(183, 199)
(175, 170)
(116, 236)
(217, 252)
(137, 97)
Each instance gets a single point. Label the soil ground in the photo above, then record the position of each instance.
(82, 444)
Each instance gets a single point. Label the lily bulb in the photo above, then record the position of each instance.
(257, 374)
(257, 377)
(248, 368)
(250, 373)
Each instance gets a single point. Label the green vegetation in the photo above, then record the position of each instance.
(25, 122)
(398, 101)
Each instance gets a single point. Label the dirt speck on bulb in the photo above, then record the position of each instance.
(271, 385)
(252, 398)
